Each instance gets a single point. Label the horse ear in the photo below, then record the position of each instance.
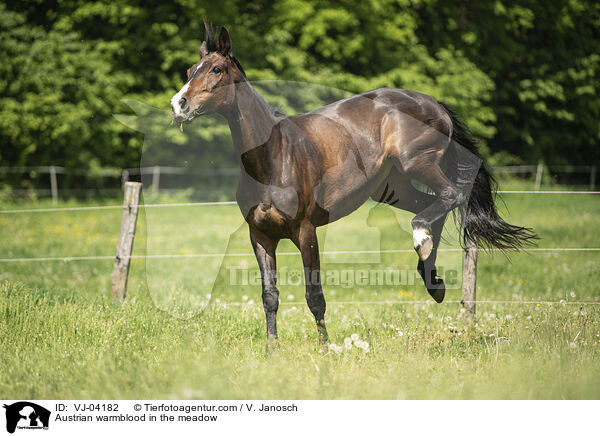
(203, 50)
(224, 42)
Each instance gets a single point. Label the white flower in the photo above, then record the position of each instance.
(509, 317)
(362, 345)
(354, 337)
(348, 343)
(244, 297)
(290, 297)
(400, 334)
(572, 294)
(335, 348)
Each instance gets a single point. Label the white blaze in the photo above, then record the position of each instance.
(177, 97)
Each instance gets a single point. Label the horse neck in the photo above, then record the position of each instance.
(250, 119)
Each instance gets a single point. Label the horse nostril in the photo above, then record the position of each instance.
(183, 102)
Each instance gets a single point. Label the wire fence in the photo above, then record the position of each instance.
(220, 255)
(232, 203)
(214, 176)
(345, 252)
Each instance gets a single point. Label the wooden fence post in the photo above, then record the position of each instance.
(593, 178)
(125, 245)
(470, 277)
(155, 179)
(124, 178)
(53, 185)
(538, 176)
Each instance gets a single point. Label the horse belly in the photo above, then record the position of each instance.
(345, 188)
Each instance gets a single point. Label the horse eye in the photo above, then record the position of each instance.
(216, 70)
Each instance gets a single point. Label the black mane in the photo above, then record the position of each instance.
(213, 45)
(210, 38)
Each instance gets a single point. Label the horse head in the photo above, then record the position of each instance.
(210, 82)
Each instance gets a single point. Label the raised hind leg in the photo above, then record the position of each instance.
(427, 269)
(447, 197)
(398, 191)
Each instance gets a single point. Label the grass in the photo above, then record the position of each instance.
(61, 336)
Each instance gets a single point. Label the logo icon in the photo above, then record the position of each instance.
(26, 415)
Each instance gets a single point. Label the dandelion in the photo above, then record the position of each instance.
(362, 345)
(335, 348)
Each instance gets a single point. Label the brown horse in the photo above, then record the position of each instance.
(301, 172)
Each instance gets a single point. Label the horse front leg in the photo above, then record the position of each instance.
(309, 249)
(264, 250)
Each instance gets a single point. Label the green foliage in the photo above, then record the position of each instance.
(522, 73)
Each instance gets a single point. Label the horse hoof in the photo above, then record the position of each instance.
(323, 336)
(423, 243)
(437, 293)
(272, 345)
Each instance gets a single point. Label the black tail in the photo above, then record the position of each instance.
(480, 219)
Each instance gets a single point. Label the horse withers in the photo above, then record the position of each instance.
(302, 172)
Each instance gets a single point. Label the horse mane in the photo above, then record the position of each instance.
(213, 45)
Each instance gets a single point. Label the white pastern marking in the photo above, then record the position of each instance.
(420, 236)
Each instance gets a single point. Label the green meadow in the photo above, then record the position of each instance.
(192, 325)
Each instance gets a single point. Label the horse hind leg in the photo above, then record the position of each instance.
(397, 191)
(427, 269)
(447, 197)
